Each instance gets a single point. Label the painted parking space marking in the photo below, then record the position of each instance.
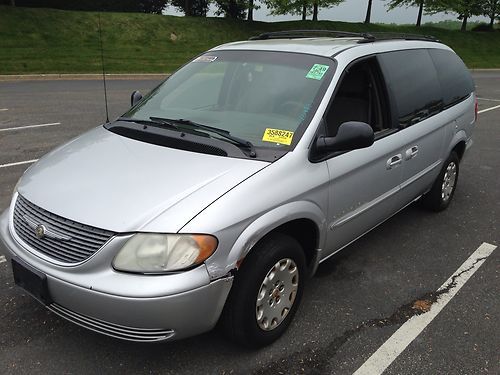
(405, 335)
(3, 109)
(489, 100)
(2, 259)
(18, 163)
(30, 126)
(489, 109)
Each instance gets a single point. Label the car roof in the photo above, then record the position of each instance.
(314, 46)
(322, 46)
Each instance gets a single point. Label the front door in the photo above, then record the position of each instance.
(364, 184)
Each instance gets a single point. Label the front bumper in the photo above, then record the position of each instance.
(150, 318)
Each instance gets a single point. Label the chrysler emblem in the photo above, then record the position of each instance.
(40, 231)
(45, 231)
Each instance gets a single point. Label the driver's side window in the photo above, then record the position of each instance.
(360, 97)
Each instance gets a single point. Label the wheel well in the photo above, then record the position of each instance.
(460, 149)
(305, 232)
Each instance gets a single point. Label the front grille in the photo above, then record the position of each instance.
(110, 329)
(58, 238)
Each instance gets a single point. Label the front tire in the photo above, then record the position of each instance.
(439, 197)
(266, 292)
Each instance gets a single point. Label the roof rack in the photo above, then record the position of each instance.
(381, 35)
(364, 37)
(289, 34)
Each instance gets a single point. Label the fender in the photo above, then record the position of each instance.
(459, 136)
(266, 223)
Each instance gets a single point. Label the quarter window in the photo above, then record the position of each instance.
(455, 80)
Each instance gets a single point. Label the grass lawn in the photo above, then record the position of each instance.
(56, 41)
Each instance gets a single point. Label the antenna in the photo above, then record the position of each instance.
(103, 72)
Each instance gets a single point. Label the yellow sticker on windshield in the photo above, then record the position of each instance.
(283, 137)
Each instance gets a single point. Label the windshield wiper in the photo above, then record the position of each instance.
(149, 122)
(242, 143)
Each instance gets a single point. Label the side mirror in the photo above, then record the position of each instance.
(135, 98)
(351, 135)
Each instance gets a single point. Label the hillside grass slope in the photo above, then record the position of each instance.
(56, 41)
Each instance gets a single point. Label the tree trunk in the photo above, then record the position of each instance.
(315, 11)
(13, 3)
(188, 11)
(464, 22)
(420, 11)
(304, 12)
(250, 10)
(493, 14)
(368, 12)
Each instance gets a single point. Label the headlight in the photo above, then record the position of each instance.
(156, 253)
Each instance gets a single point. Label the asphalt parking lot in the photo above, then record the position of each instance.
(357, 303)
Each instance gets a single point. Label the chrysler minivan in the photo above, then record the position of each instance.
(216, 196)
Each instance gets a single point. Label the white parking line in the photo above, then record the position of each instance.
(489, 109)
(489, 100)
(30, 126)
(2, 259)
(18, 163)
(3, 109)
(403, 337)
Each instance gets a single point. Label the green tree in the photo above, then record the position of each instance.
(232, 8)
(421, 4)
(464, 8)
(152, 6)
(492, 10)
(192, 8)
(303, 7)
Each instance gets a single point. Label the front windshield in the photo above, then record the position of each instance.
(266, 98)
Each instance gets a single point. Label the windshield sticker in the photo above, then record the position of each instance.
(283, 137)
(317, 71)
(205, 58)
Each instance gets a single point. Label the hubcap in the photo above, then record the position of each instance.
(449, 180)
(277, 294)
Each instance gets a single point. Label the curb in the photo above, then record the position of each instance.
(90, 76)
(112, 76)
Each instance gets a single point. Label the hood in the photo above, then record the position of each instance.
(112, 182)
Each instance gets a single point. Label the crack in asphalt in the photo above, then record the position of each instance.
(316, 361)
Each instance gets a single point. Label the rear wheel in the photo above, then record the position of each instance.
(439, 197)
(266, 292)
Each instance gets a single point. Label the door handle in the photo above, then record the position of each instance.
(411, 153)
(394, 161)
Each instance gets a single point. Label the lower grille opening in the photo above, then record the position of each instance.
(111, 329)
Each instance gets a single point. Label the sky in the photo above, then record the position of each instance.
(352, 11)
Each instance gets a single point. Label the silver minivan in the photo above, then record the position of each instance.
(216, 196)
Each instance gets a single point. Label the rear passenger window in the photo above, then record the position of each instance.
(456, 82)
(414, 85)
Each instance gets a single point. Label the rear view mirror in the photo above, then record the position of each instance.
(351, 135)
(135, 98)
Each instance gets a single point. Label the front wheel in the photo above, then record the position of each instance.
(439, 197)
(266, 292)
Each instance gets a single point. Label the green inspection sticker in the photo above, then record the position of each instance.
(317, 71)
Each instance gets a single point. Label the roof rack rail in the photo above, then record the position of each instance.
(364, 37)
(288, 34)
(381, 35)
